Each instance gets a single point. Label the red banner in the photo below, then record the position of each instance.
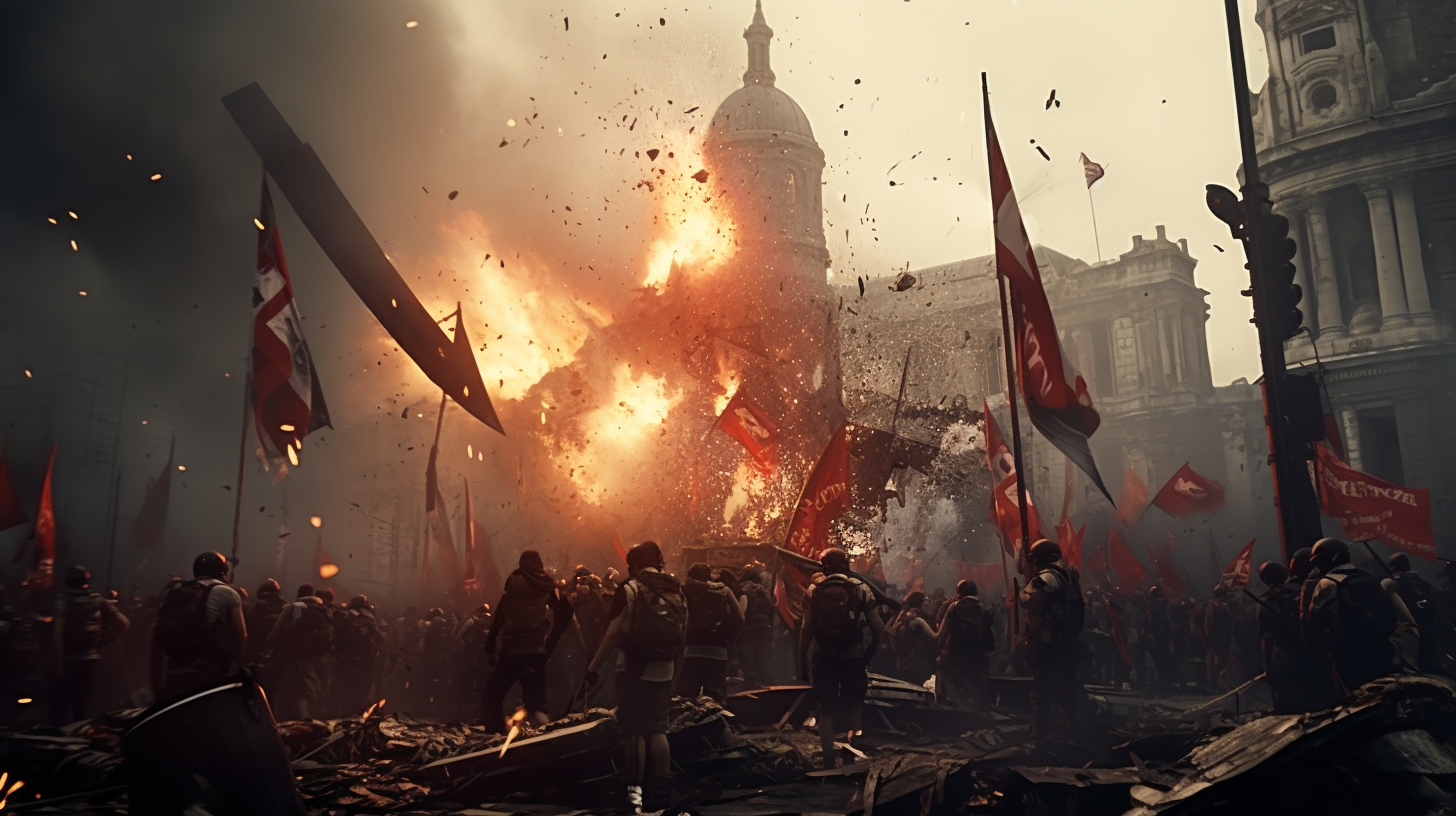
(1188, 493)
(999, 459)
(43, 568)
(1128, 573)
(1071, 541)
(1008, 515)
(747, 423)
(1368, 508)
(825, 497)
(1239, 569)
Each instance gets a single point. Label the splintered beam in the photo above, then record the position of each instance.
(341, 233)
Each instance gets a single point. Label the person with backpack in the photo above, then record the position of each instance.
(200, 636)
(1354, 618)
(755, 642)
(84, 623)
(1420, 598)
(838, 636)
(266, 608)
(470, 638)
(913, 637)
(530, 618)
(966, 639)
(358, 646)
(649, 619)
(1055, 611)
(302, 643)
(714, 621)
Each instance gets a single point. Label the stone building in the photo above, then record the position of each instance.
(1134, 327)
(1356, 137)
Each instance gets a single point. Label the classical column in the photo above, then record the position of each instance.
(1417, 292)
(1327, 289)
(1393, 308)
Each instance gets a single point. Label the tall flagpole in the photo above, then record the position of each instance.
(1097, 239)
(242, 469)
(1011, 381)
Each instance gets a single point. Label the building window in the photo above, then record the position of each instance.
(1380, 445)
(1320, 39)
(1323, 96)
(1104, 380)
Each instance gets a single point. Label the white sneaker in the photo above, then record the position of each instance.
(634, 798)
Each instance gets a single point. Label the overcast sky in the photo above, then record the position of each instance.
(404, 115)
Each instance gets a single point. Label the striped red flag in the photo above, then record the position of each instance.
(288, 403)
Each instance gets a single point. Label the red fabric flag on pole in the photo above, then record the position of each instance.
(1071, 542)
(288, 403)
(1134, 498)
(748, 424)
(825, 497)
(150, 525)
(1056, 396)
(1237, 573)
(1168, 577)
(43, 567)
(1114, 622)
(12, 513)
(1369, 508)
(1091, 170)
(1128, 573)
(794, 574)
(1188, 493)
(1008, 515)
(998, 454)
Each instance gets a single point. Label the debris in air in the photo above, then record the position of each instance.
(861, 285)
(652, 154)
(453, 194)
(1053, 100)
(701, 176)
(903, 281)
(1043, 153)
(567, 21)
(690, 110)
(1217, 247)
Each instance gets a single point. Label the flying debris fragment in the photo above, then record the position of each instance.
(652, 154)
(690, 110)
(453, 194)
(1217, 247)
(1052, 100)
(1043, 153)
(567, 21)
(861, 285)
(156, 177)
(903, 281)
(701, 176)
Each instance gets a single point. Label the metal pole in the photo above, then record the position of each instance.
(242, 471)
(900, 400)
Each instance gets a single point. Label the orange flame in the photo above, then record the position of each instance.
(699, 231)
(612, 434)
(515, 723)
(328, 570)
(371, 709)
(727, 379)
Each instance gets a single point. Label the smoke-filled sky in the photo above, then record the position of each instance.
(525, 109)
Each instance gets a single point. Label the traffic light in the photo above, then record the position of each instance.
(1281, 294)
(1227, 208)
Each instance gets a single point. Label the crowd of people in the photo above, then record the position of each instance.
(1321, 627)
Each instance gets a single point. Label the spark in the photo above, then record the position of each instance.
(182, 467)
(74, 248)
(156, 177)
(73, 215)
(82, 293)
(286, 428)
(259, 224)
(515, 723)
(469, 452)
(28, 375)
(316, 521)
(24, 701)
(510, 123)
(292, 455)
(52, 220)
(412, 24)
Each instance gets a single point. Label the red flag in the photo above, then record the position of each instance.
(1188, 493)
(1128, 573)
(1369, 508)
(794, 574)
(825, 497)
(1168, 577)
(747, 423)
(12, 514)
(1008, 515)
(1071, 542)
(288, 403)
(324, 565)
(1237, 574)
(150, 525)
(43, 567)
(1056, 396)
(1114, 621)
(439, 523)
(999, 459)
(1134, 498)
(621, 551)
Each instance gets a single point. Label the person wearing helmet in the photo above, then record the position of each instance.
(358, 650)
(838, 635)
(267, 606)
(966, 638)
(1420, 598)
(200, 636)
(84, 623)
(302, 645)
(1297, 682)
(1054, 614)
(1354, 620)
(755, 642)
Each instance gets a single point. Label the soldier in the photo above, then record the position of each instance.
(266, 609)
(302, 644)
(1296, 680)
(1420, 598)
(84, 623)
(437, 640)
(200, 636)
(1353, 618)
(714, 621)
(755, 642)
(358, 645)
(965, 638)
(841, 628)
(530, 618)
(1055, 613)
(589, 608)
(471, 638)
(649, 623)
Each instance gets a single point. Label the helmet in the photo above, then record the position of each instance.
(326, 595)
(1273, 573)
(78, 577)
(269, 587)
(1155, 592)
(360, 602)
(483, 610)
(582, 571)
(966, 588)
(1329, 553)
(1399, 562)
(1044, 552)
(435, 612)
(834, 560)
(210, 565)
(1299, 564)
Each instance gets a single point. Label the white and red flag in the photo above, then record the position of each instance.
(288, 403)
(1188, 493)
(1239, 569)
(1091, 171)
(1056, 396)
(746, 422)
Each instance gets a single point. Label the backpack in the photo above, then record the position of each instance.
(182, 628)
(81, 632)
(313, 631)
(658, 628)
(1365, 618)
(970, 626)
(710, 621)
(356, 636)
(760, 613)
(836, 614)
(1069, 614)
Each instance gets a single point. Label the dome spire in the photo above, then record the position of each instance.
(758, 34)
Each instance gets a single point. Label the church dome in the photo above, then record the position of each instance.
(758, 105)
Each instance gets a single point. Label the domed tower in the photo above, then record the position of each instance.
(762, 149)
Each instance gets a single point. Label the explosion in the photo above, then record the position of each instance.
(699, 231)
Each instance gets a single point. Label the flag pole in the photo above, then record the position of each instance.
(1097, 239)
(242, 470)
(900, 400)
(1011, 381)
